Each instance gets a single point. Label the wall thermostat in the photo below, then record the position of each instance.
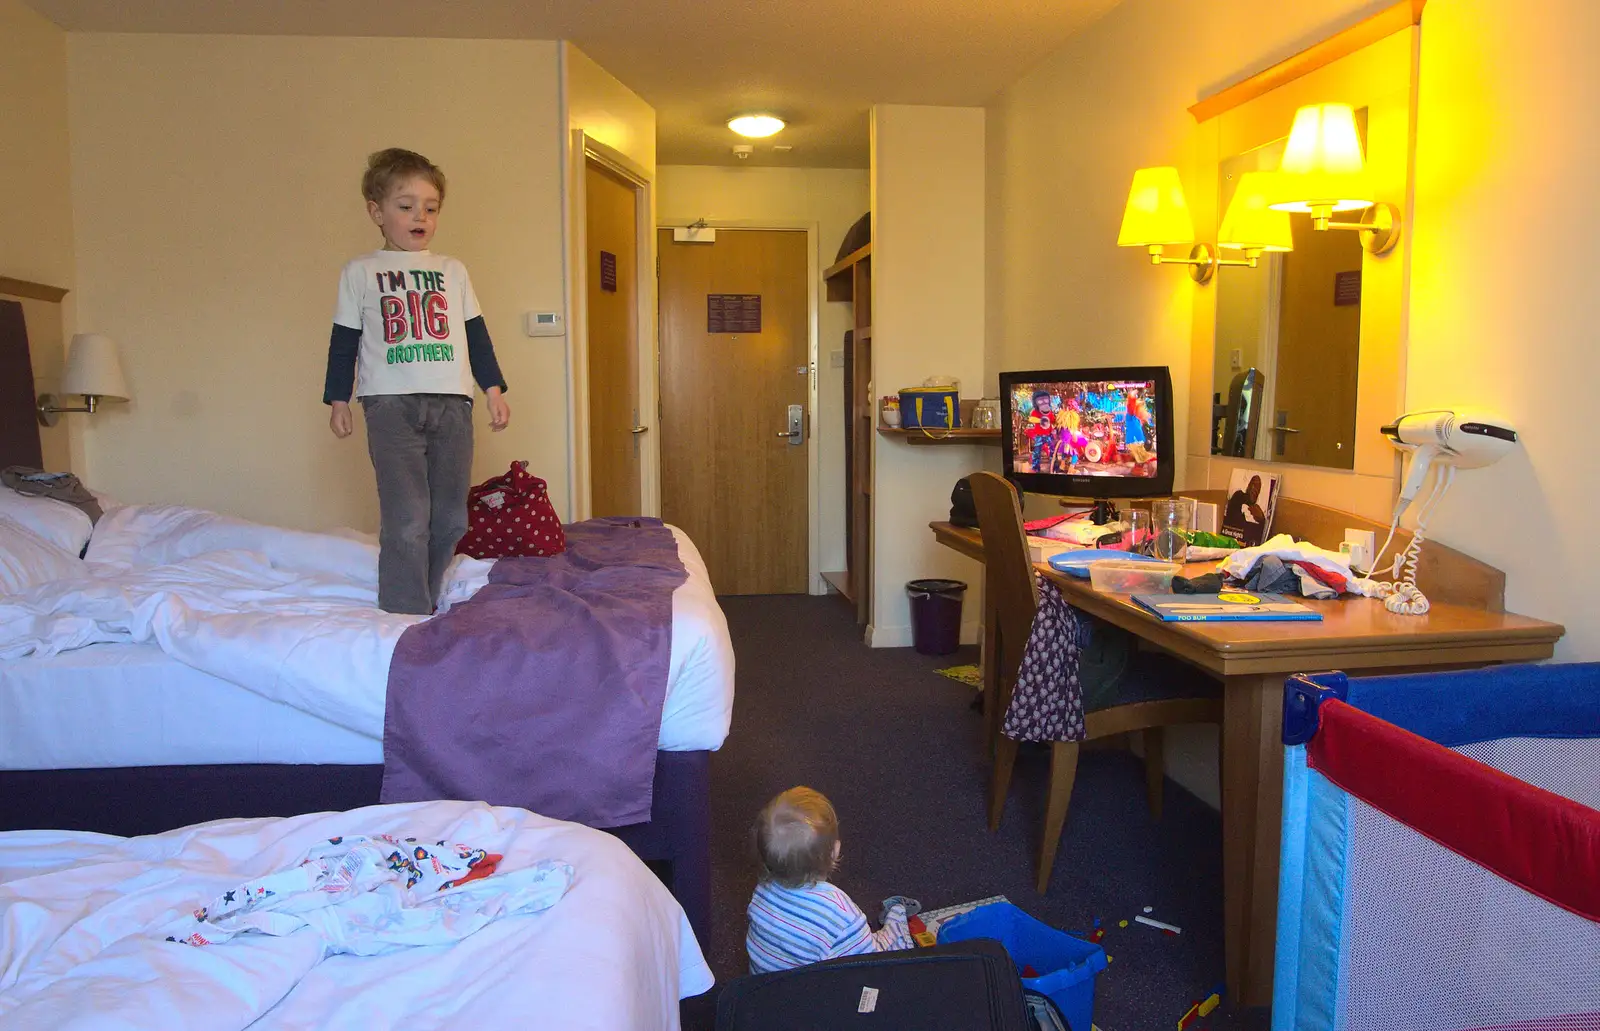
(544, 323)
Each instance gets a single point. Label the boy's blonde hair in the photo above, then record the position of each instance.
(795, 838)
(389, 166)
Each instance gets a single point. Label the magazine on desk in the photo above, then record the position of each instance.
(1247, 511)
(1226, 607)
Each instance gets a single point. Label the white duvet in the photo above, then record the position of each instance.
(75, 954)
(292, 615)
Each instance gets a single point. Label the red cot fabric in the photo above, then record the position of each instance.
(1536, 839)
(511, 516)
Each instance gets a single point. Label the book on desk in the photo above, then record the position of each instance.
(1226, 607)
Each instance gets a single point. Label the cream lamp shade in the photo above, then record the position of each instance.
(1156, 214)
(1322, 166)
(93, 369)
(1251, 223)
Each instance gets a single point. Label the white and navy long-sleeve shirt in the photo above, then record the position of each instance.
(790, 927)
(408, 322)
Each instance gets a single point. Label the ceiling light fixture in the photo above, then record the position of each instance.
(756, 126)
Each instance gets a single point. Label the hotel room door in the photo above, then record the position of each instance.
(734, 363)
(614, 417)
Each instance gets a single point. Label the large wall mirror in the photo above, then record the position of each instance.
(1288, 339)
(1298, 361)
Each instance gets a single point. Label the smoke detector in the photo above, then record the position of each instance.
(742, 151)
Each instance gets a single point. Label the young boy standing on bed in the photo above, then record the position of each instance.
(796, 916)
(409, 340)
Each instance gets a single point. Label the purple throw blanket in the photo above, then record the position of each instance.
(545, 689)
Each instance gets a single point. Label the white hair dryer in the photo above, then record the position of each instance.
(1463, 439)
(1449, 439)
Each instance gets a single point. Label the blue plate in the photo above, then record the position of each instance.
(1076, 563)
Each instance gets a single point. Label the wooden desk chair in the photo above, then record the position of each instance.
(1159, 692)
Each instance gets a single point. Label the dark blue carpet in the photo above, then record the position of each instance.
(898, 750)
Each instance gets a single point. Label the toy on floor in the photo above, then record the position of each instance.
(1158, 925)
(1201, 1008)
(925, 926)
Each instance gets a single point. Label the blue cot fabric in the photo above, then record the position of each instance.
(1463, 708)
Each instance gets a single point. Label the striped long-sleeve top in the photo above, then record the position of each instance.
(790, 927)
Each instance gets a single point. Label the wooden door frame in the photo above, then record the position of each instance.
(584, 149)
(814, 582)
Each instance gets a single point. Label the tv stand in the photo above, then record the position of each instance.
(1105, 511)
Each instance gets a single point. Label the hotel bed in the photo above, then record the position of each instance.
(136, 738)
(614, 951)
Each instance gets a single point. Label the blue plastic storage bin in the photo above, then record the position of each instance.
(1066, 965)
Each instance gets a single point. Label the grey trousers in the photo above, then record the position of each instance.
(421, 448)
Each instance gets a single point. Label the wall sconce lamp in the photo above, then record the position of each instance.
(93, 370)
(1251, 224)
(1323, 172)
(1157, 215)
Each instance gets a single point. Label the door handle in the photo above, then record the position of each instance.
(1281, 430)
(643, 429)
(797, 422)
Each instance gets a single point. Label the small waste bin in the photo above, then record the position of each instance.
(936, 615)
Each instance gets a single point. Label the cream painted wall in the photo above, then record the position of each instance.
(927, 319)
(36, 243)
(1503, 302)
(602, 106)
(608, 112)
(215, 193)
(1506, 147)
(1063, 142)
(833, 199)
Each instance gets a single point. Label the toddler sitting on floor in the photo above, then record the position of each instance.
(796, 916)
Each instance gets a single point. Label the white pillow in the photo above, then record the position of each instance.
(66, 526)
(28, 560)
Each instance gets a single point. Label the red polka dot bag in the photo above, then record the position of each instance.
(510, 516)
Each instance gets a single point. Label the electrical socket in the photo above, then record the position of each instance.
(835, 359)
(1361, 546)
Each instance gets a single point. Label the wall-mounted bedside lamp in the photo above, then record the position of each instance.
(93, 370)
(1251, 224)
(1157, 215)
(1323, 172)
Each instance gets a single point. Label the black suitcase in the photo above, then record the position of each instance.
(963, 986)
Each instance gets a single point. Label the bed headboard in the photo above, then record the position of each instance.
(19, 428)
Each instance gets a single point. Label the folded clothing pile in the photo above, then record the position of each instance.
(1284, 566)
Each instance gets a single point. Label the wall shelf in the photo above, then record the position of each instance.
(841, 582)
(962, 435)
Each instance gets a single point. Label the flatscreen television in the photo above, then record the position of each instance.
(1089, 433)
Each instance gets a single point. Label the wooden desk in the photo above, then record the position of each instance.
(1252, 660)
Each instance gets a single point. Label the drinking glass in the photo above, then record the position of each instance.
(1138, 538)
(1169, 517)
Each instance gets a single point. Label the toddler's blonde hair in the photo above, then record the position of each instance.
(391, 165)
(795, 838)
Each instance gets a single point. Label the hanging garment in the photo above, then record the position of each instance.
(1047, 701)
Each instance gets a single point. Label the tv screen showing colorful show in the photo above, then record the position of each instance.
(1100, 428)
